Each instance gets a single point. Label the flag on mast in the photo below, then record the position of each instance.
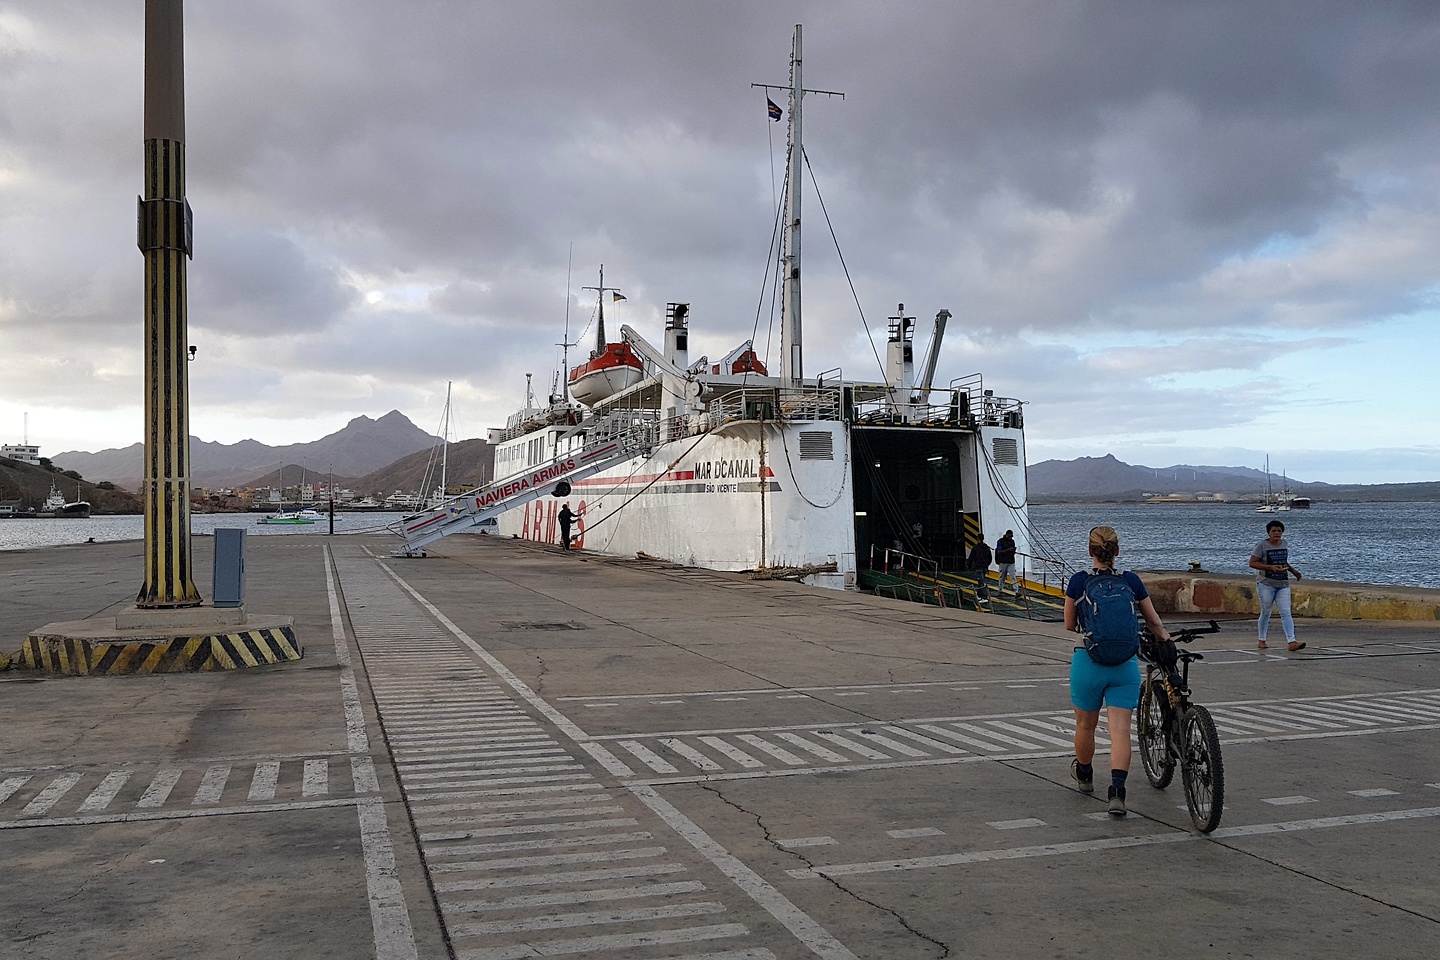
(775, 112)
(616, 297)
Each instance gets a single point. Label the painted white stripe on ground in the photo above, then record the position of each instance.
(532, 828)
(101, 796)
(362, 774)
(795, 843)
(212, 785)
(915, 832)
(539, 765)
(887, 742)
(734, 753)
(851, 745)
(577, 896)
(940, 731)
(772, 901)
(355, 738)
(495, 781)
(514, 816)
(626, 941)
(175, 814)
(1019, 824)
(562, 722)
(10, 785)
(1373, 792)
(264, 781)
(561, 920)
(698, 759)
(1111, 843)
(427, 806)
(779, 753)
(159, 790)
(1033, 734)
(389, 917)
(829, 756)
(927, 741)
(1285, 801)
(51, 795)
(545, 879)
(996, 735)
(316, 778)
(548, 843)
(548, 860)
(649, 757)
(492, 758)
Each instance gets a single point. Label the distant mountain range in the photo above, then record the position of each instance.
(1106, 478)
(361, 447)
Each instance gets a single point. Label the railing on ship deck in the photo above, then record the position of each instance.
(762, 403)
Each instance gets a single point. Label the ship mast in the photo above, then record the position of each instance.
(600, 324)
(792, 365)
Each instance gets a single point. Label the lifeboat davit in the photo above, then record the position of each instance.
(612, 370)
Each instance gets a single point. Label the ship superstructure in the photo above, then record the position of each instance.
(724, 466)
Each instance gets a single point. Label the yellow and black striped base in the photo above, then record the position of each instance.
(69, 655)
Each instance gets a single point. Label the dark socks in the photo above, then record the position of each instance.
(1117, 783)
(1085, 771)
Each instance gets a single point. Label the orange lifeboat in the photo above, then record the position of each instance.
(613, 369)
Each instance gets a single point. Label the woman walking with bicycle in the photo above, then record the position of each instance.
(1102, 604)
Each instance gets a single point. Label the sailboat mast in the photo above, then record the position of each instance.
(445, 443)
(791, 353)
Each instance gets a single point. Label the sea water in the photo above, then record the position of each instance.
(22, 534)
(1386, 543)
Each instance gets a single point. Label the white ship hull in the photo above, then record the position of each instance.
(756, 495)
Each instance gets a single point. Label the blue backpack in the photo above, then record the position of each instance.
(1108, 624)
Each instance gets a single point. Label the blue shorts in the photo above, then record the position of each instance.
(1092, 684)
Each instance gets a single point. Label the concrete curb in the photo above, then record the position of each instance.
(1217, 593)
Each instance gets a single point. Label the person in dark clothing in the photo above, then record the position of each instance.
(1005, 560)
(566, 519)
(979, 563)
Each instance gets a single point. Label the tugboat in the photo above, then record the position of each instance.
(55, 505)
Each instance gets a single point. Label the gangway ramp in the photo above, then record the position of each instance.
(609, 444)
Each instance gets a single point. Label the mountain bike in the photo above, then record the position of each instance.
(1172, 730)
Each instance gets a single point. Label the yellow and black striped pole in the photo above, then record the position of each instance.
(164, 228)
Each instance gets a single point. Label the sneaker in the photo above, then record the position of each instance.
(1085, 786)
(1117, 803)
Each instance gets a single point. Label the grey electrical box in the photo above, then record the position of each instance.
(228, 588)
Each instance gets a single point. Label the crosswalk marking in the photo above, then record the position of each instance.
(103, 794)
(648, 757)
(888, 743)
(212, 785)
(159, 790)
(697, 758)
(10, 785)
(765, 746)
(830, 756)
(851, 745)
(48, 797)
(619, 941)
(559, 920)
(734, 753)
(265, 780)
(671, 889)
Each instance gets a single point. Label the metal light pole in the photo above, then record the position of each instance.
(164, 237)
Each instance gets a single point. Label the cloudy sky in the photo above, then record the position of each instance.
(1197, 232)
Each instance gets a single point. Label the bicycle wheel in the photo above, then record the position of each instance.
(1155, 753)
(1201, 769)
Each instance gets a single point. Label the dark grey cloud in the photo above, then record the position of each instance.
(388, 195)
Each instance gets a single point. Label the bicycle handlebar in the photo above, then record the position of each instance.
(1188, 634)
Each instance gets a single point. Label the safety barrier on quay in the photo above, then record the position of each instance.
(64, 654)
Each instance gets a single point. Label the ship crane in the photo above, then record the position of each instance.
(932, 356)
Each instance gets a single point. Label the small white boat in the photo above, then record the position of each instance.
(295, 516)
(612, 367)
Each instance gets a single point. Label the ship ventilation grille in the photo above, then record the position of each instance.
(1004, 450)
(818, 445)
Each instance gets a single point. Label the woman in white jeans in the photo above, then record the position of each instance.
(1271, 561)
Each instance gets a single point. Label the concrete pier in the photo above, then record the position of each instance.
(506, 751)
(1210, 593)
